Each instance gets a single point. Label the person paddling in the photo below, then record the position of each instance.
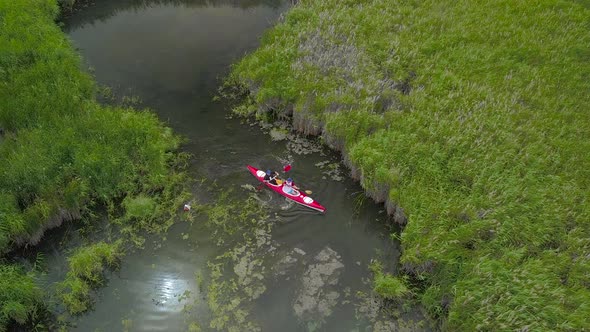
(290, 188)
(271, 177)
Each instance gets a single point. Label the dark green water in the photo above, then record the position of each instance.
(172, 55)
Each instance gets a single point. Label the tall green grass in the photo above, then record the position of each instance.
(20, 298)
(473, 117)
(61, 149)
(62, 153)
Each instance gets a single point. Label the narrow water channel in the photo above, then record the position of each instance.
(172, 55)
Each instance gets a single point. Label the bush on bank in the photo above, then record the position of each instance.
(63, 153)
(472, 117)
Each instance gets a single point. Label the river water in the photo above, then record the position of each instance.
(311, 270)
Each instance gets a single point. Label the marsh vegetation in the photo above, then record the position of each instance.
(469, 121)
(64, 155)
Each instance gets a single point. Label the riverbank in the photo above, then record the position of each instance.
(64, 154)
(468, 121)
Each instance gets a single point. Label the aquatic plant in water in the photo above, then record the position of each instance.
(86, 272)
(231, 291)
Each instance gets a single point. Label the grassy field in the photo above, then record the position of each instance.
(64, 154)
(472, 118)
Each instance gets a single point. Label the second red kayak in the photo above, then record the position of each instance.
(297, 195)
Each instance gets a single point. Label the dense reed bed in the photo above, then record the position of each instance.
(470, 120)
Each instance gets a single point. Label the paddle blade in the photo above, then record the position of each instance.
(287, 168)
(309, 192)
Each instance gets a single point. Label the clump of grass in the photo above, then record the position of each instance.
(140, 207)
(20, 297)
(388, 286)
(86, 272)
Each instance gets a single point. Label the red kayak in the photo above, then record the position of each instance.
(296, 195)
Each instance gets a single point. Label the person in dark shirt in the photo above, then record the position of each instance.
(271, 177)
